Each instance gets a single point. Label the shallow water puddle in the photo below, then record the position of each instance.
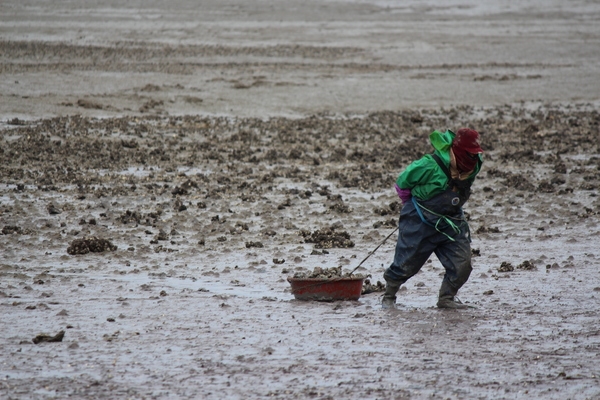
(215, 287)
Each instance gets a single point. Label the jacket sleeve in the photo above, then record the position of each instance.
(419, 172)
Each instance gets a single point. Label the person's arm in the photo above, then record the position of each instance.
(415, 174)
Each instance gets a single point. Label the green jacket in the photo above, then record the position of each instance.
(424, 177)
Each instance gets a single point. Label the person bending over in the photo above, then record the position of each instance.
(433, 190)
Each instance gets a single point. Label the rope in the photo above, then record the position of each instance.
(371, 253)
(349, 276)
(445, 218)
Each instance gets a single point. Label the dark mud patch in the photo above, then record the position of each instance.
(90, 245)
(518, 181)
(89, 104)
(44, 338)
(336, 203)
(15, 230)
(391, 209)
(486, 229)
(369, 287)
(327, 238)
(526, 265)
(505, 266)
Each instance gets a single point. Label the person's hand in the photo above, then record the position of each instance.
(404, 194)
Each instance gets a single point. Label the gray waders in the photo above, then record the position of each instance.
(425, 227)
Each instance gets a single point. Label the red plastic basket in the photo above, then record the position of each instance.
(331, 289)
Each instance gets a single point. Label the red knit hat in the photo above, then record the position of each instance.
(467, 140)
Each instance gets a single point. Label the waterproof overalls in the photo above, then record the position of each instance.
(433, 220)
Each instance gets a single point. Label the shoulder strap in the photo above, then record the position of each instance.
(439, 162)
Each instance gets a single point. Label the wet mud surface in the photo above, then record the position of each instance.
(146, 246)
(140, 238)
(292, 58)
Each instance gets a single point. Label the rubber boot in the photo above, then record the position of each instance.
(451, 303)
(389, 297)
(447, 300)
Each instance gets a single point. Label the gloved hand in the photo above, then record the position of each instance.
(404, 194)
